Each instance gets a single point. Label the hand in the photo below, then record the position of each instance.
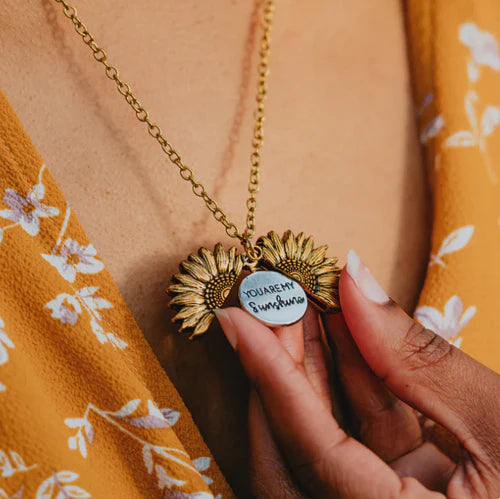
(388, 364)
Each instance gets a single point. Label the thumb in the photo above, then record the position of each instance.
(417, 365)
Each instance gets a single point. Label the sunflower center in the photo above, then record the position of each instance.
(299, 271)
(218, 290)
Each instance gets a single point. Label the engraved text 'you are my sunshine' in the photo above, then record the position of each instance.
(276, 302)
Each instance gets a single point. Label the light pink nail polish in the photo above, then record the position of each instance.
(364, 279)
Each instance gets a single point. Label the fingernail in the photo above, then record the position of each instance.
(226, 325)
(364, 279)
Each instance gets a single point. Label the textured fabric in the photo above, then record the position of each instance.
(85, 408)
(456, 67)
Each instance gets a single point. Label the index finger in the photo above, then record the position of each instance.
(327, 462)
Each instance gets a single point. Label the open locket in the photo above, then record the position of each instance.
(289, 272)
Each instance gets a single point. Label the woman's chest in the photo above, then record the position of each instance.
(340, 159)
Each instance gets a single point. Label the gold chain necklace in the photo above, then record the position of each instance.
(284, 271)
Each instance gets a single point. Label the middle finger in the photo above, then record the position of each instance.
(388, 426)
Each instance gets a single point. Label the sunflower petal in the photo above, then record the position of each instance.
(231, 258)
(327, 279)
(318, 255)
(300, 245)
(209, 260)
(189, 280)
(307, 249)
(238, 265)
(182, 288)
(188, 299)
(202, 325)
(324, 295)
(324, 269)
(193, 257)
(193, 320)
(270, 255)
(290, 244)
(221, 258)
(186, 312)
(277, 243)
(332, 262)
(197, 270)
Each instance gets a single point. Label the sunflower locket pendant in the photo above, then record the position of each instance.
(288, 273)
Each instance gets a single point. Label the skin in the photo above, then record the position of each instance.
(389, 365)
(329, 140)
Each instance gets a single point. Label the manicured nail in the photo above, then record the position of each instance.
(364, 279)
(227, 325)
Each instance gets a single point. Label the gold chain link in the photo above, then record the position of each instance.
(154, 130)
(258, 131)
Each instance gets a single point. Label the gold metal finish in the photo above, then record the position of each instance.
(206, 279)
(204, 283)
(297, 258)
(154, 130)
(258, 130)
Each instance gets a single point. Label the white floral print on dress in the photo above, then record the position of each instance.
(5, 342)
(483, 45)
(10, 465)
(483, 48)
(92, 302)
(177, 494)
(26, 211)
(454, 241)
(202, 464)
(478, 132)
(432, 129)
(153, 455)
(59, 486)
(103, 336)
(66, 308)
(449, 324)
(74, 258)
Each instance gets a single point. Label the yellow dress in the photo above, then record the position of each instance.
(455, 60)
(85, 408)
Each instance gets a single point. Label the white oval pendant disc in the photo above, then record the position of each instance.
(273, 298)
